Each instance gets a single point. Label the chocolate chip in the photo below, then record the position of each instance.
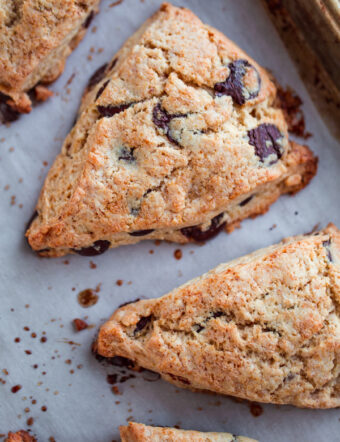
(199, 235)
(217, 314)
(198, 328)
(246, 201)
(7, 113)
(88, 20)
(265, 138)
(142, 323)
(113, 64)
(97, 248)
(327, 244)
(101, 89)
(234, 85)
(110, 110)
(161, 118)
(97, 76)
(126, 154)
(141, 232)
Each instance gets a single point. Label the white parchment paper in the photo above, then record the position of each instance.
(41, 294)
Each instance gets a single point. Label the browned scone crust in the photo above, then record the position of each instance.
(36, 37)
(20, 436)
(134, 432)
(264, 327)
(180, 130)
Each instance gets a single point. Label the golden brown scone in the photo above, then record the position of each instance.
(20, 436)
(134, 432)
(264, 327)
(176, 138)
(36, 37)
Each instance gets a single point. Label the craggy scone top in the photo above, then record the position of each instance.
(180, 127)
(36, 36)
(265, 327)
(135, 432)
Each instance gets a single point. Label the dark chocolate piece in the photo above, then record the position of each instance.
(142, 323)
(97, 248)
(141, 232)
(265, 138)
(97, 76)
(198, 235)
(111, 110)
(234, 86)
(101, 89)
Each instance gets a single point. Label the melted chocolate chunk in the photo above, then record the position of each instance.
(97, 248)
(126, 154)
(161, 118)
(101, 89)
(97, 76)
(199, 235)
(142, 323)
(246, 201)
(110, 110)
(7, 113)
(265, 138)
(141, 232)
(326, 245)
(88, 20)
(234, 85)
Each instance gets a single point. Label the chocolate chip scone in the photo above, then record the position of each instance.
(36, 37)
(264, 327)
(134, 432)
(177, 138)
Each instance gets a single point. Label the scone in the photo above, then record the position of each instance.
(20, 436)
(134, 432)
(176, 138)
(36, 37)
(264, 327)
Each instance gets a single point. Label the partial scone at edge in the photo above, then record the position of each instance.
(264, 327)
(35, 43)
(135, 432)
(176, 138)
(20, 436)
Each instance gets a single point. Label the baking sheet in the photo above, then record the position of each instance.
(41, 294)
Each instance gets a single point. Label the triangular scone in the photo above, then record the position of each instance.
(134, 432)
(264, 327)
(178, 138)
(36, 37)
